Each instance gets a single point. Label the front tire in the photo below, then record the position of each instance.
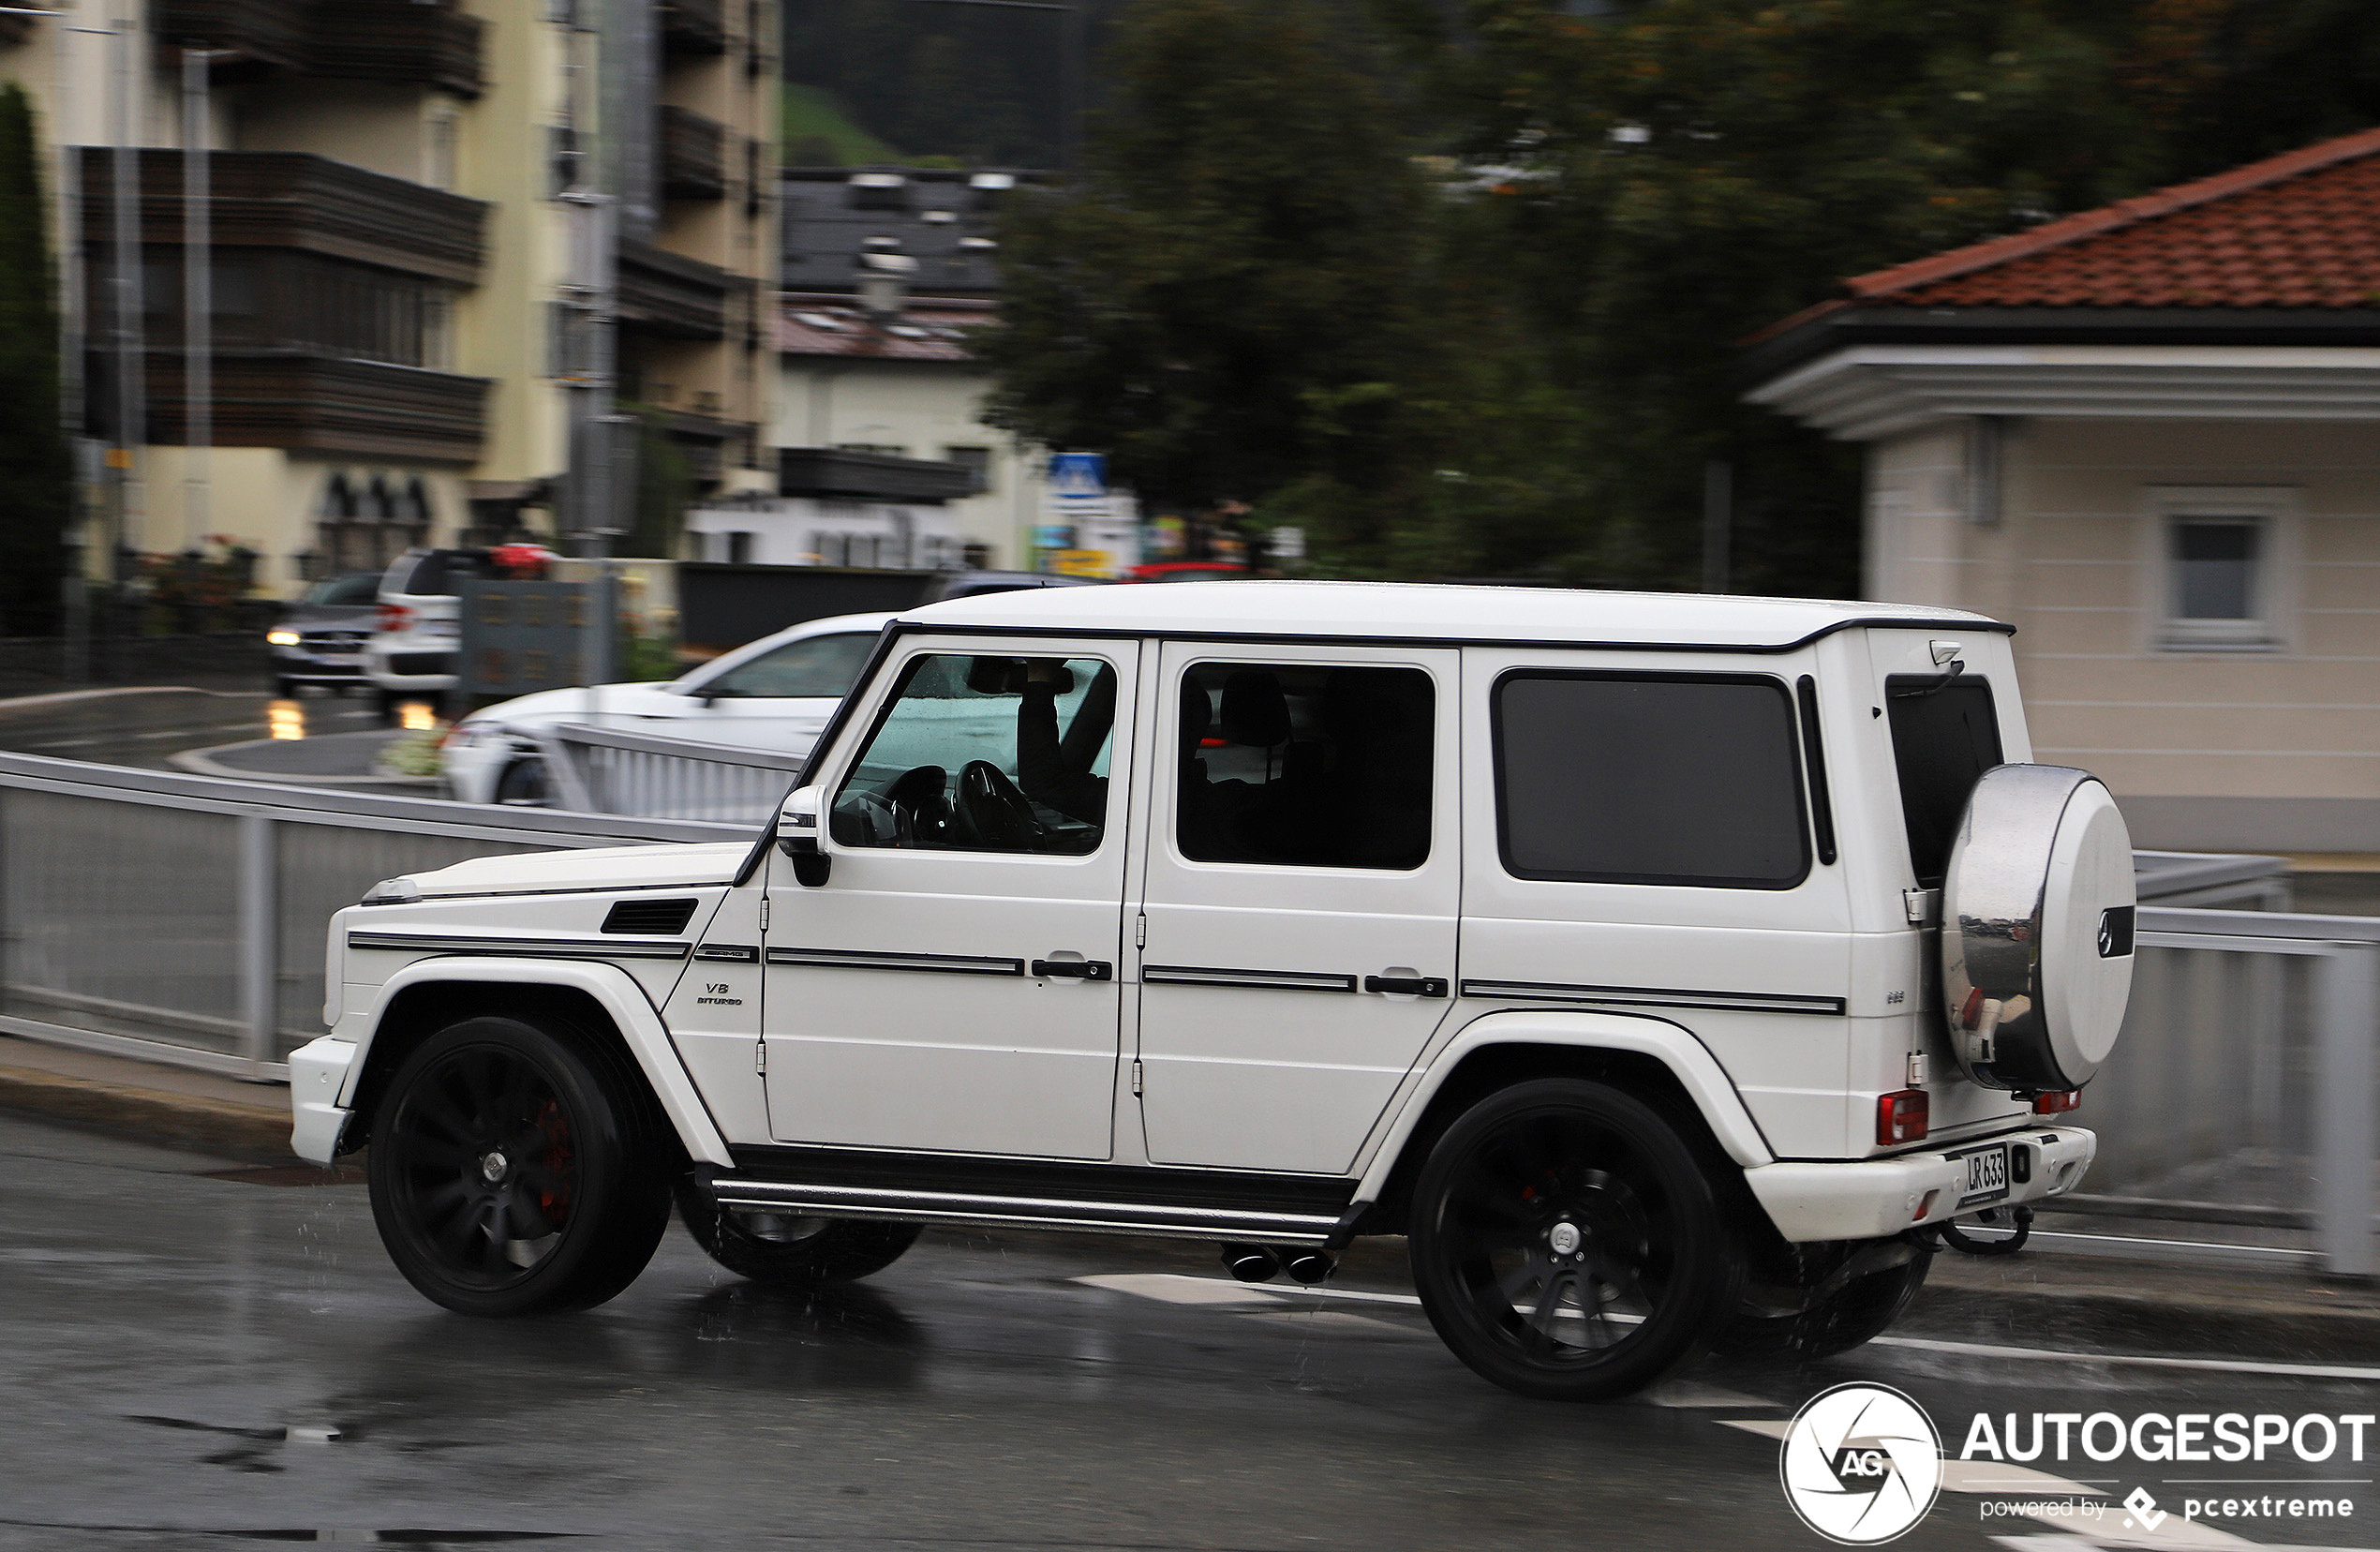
(517, 1170)
(523, 785)
(1566, 1244)
(786, 1251)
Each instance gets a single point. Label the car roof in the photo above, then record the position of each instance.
(1433, 611)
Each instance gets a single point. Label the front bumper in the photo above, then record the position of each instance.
(1872, 1199)
(317, 1076)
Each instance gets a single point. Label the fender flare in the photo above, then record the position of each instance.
(1673, 1045)
(613, 990)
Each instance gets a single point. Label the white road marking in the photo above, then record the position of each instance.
(1693, 1393)
(2221, 1366)
(1767, 1428)
(1173, 1287)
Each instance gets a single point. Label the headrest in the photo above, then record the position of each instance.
(1197, 715)
(1254, 712)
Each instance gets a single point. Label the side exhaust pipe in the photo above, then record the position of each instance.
(1251, 1263)
(1308, 1266)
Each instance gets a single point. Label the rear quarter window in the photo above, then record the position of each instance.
(1945, 735)
(1649, 778)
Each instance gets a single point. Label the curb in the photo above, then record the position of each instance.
(202, 762)
(248, 1133)
(11, 704)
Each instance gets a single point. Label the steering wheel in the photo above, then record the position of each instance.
(990, 812)
(921, 815)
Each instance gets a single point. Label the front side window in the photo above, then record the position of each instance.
(1634, 779)
(1945, 735)
(819, 667)
(1305, 765)
(986, 753)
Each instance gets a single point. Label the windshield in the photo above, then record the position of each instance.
(352, 589)
(821, 666)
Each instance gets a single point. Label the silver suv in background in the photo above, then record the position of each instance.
(410, 655)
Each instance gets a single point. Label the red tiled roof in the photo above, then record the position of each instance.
(930, 328)
(2300, 230)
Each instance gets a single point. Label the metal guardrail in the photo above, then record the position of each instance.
(2243, 1093)
(2212, 879)
(605, 770)
(180, 918)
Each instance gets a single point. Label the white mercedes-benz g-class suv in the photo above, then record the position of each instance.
(1593, 941)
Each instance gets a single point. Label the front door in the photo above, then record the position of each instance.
(1302, 884)
(953, 985)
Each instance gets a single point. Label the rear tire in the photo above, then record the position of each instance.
(1566, 1244)
(523, 784)
(517, 1170)
(788, 1251)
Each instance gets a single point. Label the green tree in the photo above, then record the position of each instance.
(35, 471)
(1225, 302)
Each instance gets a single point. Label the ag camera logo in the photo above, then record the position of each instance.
(1861, 1464)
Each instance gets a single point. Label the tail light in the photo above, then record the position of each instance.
(1902, 1117)
(2056, 1102)
(395, 618)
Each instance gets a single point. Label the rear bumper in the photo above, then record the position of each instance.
(1871, 1199)
(317, 1076)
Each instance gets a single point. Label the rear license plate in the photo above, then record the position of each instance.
(1987, 1175)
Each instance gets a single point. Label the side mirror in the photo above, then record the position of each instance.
(797, 838)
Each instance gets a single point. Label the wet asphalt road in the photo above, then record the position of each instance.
(143, 729)
(175, 1347)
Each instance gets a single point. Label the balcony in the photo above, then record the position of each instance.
(694, 27)
(293, 199)
(426, 43)
(324, 404)
(694, 156)
(275, 34)
(836, 473)
(401, 40)
(669, 294)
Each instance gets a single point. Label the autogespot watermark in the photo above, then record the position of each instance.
(1861, 1464)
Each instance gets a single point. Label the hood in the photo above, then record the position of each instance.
(598, 868)
(599, 704)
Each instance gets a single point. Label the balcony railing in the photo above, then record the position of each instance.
(694, 156)
(668, 294)
(275, 34)
(429, 42)
(694, 27)
(402, 40)
(294, 200)
(323, 404)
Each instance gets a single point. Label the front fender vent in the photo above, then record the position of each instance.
(656, 917)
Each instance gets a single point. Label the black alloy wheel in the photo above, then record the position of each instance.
(1566, 1244)
(786, 1250)
(516, 1170)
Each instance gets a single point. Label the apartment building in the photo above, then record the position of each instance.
(393, 254)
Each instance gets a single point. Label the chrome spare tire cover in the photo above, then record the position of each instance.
(2038, 917)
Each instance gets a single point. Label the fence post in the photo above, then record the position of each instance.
(2347, 1023)
(259, 942)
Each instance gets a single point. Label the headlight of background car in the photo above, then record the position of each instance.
(282, 638)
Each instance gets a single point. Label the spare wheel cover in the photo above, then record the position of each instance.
(2038, 911)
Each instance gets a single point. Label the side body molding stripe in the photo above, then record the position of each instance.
(1652, 996)
(535, 948)
(1268, 981)
(867, 959)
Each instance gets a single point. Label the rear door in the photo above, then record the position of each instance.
(1301, 887)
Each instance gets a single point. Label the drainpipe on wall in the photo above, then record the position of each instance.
(1985, 437)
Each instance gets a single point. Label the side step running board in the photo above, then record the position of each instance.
(1081, 1217)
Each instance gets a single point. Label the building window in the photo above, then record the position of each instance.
(976, 461)
(2218, 582)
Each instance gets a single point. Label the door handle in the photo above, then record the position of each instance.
(1092, 970)
(1406, 986)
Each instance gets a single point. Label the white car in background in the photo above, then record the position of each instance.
(774, 694)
